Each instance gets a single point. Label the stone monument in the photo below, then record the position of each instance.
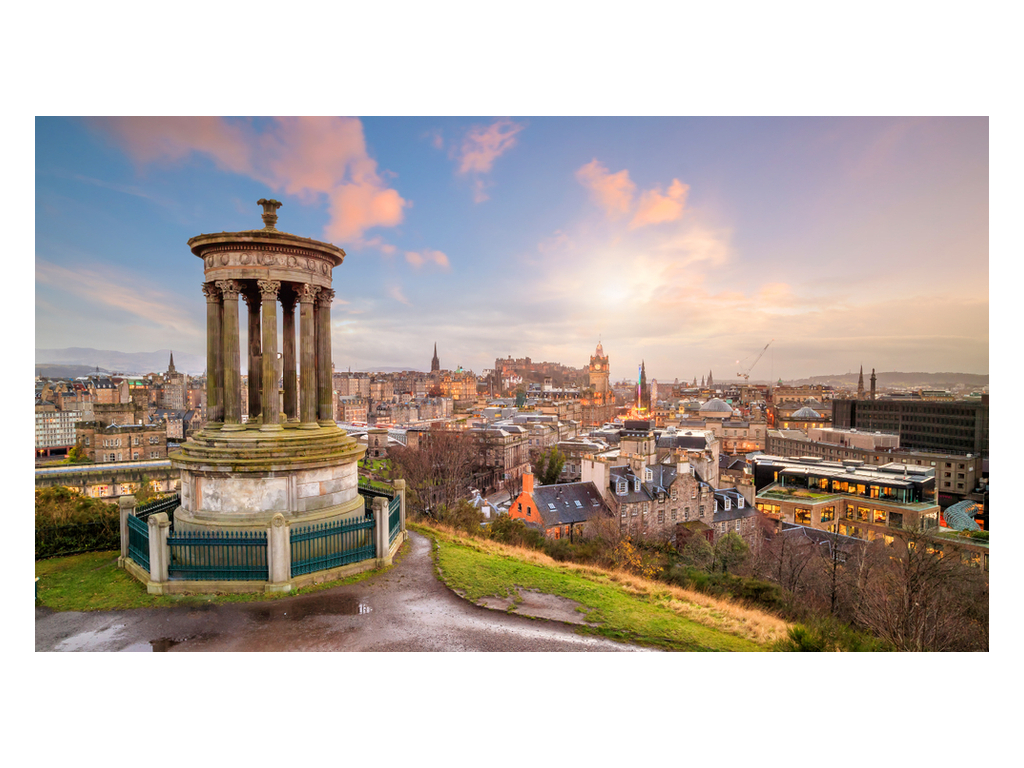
(290, 457)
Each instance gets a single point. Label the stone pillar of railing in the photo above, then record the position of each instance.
(159, 554)
(254, 302)
(126, 507)
(270, 407)
(380, 530)
(400, 488)
(279, 554)
(232, 362)
(307, 347)
(291, 399)
(324, 382)
(214, 372)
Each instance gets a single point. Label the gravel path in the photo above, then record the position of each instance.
(405, 609)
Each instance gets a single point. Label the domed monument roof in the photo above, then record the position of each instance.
(714, 405)
(806, 413)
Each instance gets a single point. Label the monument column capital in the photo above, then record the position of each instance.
(307, 293)
(212, 293)
(269, 289)
(229, 288)
(325, 297)
(252, 298)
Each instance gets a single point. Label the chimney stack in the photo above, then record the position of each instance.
(528, 482)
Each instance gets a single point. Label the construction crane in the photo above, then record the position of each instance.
(746, 376)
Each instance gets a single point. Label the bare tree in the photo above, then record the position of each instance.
(919, 599)
(439, 472)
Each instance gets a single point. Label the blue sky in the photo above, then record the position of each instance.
(689, 243)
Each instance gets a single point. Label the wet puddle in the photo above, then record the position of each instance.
(163, 644)
(325, 606)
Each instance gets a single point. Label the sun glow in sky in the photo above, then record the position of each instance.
(686, 242)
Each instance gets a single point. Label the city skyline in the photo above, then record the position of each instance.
(688, 243)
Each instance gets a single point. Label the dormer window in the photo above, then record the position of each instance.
(648, 475)
(620, 488)
(727, 504)
(739, 503)
(636, 485)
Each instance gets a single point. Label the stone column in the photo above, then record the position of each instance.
(270, 407)
(307, 347)
(291, 400)
(279, 555)
(232, 362)
(255, 365)
(126, 506)
(325, 388)
(214, 358)
(159, 556)
(380, 529)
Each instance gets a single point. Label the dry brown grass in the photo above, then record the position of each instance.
(713, 612)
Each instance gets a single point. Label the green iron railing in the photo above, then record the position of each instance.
(138, 541)
(329, 545)
(218, 556)
(394, 518)
(376, 488)
(167, 505)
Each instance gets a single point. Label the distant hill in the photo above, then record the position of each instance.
(56, 371)
(899, 379)
(112, 361)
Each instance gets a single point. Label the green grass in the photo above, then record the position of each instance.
(93, 582)
(619, 614)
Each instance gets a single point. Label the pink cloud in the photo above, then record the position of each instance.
(395, 292)
(656, 208)
(308, 157)
(479, 195)
(427, 256)
(612, 191)
(485, 144)
(380, 244)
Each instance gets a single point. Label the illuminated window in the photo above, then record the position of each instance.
(828, 514)
(879, 516)
(802, 516)
(863, 513)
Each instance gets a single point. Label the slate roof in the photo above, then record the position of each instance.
(683, 440)
(566, 503)
(723, 515)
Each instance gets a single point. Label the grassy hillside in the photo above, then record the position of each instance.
(622, 606)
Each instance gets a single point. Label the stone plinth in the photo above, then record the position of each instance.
(239, 480)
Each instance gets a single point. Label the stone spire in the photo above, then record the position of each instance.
(435, 363)
(872, 383)
(170, 366)
(860, 384)
(711, 379)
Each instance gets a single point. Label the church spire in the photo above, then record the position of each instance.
(170, 367)
(435, 363)
(860, 384)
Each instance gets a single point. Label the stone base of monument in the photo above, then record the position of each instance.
(239, 480)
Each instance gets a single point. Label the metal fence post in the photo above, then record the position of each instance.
(279, 555)
(380, 530)
(159, 554)
(126, 506)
